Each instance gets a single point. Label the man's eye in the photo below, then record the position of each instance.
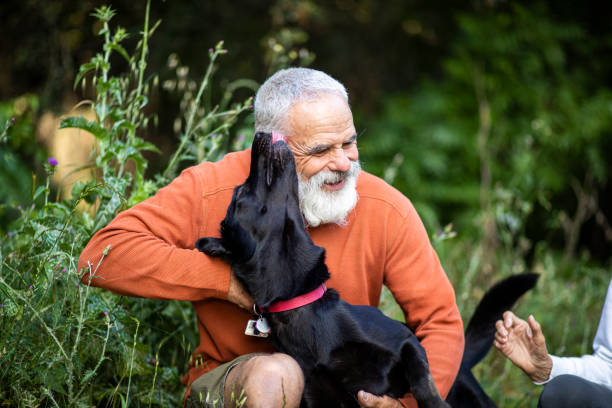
(319, 153)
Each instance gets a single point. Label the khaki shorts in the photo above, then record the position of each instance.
(208, 390)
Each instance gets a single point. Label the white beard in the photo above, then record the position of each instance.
(325, 207)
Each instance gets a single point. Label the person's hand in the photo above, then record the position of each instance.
(524, 344)
(236, 294)
(367, 400)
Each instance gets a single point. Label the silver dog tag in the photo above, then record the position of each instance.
(262, 325)
(252, 330)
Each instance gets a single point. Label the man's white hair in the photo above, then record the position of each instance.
(284, 89)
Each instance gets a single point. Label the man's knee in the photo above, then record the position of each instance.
(265, 380)
(278, 364)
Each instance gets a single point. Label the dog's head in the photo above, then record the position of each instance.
(263, 235)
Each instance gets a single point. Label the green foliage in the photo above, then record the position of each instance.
(63, 343)
(17, 144)
(507, 133)
(203, 126)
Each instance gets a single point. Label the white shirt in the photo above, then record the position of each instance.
(596, 367)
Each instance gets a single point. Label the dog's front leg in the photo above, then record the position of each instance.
(418, 375)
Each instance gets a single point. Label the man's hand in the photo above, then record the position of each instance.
(367, 400)
(524, 344)
(236, 294)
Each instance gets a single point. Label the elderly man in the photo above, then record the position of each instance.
(370, 231)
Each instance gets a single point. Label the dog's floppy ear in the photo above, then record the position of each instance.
(213, 247)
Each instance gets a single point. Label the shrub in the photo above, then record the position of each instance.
(63, 343)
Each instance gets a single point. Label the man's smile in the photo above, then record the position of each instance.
(333, 186)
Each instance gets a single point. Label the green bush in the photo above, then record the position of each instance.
(63, 343)
(17, 118)
(510, 143)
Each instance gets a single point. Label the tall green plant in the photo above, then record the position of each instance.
(63, 343)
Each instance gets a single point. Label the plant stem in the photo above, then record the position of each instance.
(142, 64)
(107, 53)
(11, 292)
(127, 397)
(194, 107)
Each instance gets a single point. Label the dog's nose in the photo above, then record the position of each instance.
(278, 136)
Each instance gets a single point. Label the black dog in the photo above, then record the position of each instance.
(264, 239)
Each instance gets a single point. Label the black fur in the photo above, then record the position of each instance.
(341, 348)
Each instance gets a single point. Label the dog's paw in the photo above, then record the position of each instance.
(212, 247)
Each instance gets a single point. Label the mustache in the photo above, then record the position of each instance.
(334, 176)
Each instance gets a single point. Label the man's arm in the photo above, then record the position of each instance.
(151, 249)
(419, 284)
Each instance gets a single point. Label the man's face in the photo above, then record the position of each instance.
(322, 137)
(324, 143)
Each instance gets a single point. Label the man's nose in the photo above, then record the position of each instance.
(339, 161)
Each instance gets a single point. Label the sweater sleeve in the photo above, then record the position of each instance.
(597, 367)
(151, 248)
(420, 286)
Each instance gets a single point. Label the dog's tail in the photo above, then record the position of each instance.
(480, 331)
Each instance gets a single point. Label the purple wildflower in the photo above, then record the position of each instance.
(105, 313)
(52, 161)
(10, 234)
(31, 287)
(64, 270)
(76, 285)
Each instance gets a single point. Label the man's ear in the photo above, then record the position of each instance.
(213, 247)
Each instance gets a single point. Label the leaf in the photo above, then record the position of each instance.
(121, 51)
(84, 69)
(38, 192)
(140, 144)
(87, 125)
(123, 124)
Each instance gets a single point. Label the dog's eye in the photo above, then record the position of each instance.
(263, 210)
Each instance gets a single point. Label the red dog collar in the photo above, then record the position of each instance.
(298, 301)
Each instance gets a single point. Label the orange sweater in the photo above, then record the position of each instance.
(152, 255)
